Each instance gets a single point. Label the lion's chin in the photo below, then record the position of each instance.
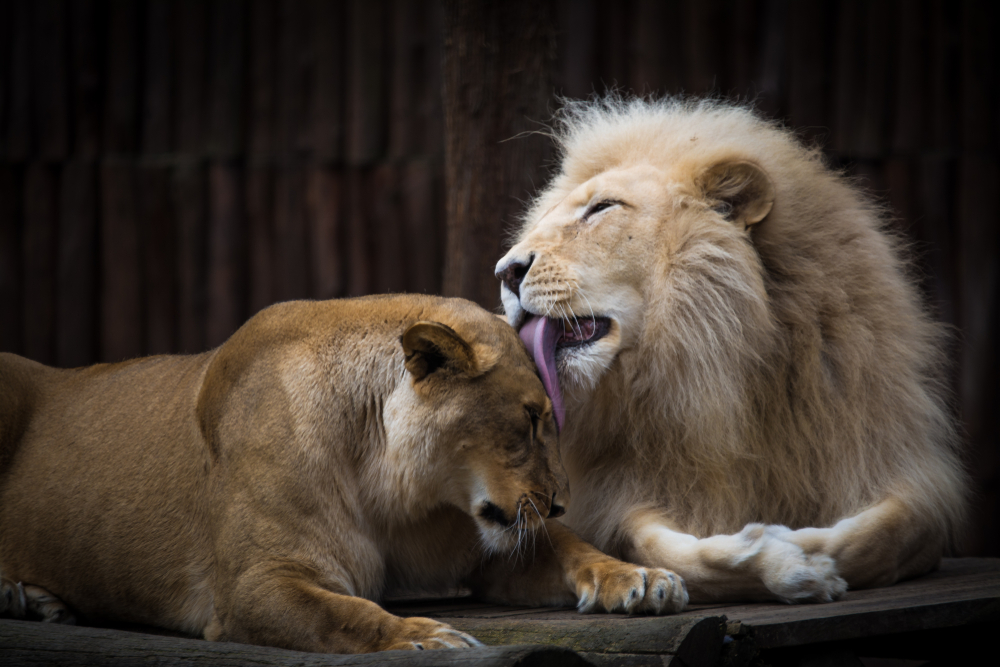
(580, 367)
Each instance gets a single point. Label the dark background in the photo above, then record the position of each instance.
(168, 168)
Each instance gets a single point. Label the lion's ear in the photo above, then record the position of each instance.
(430, 346)
(740, 190)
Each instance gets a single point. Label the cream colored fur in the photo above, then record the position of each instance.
(766, 415)
(270, 490)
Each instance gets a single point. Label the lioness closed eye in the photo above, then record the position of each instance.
(753, 388)
(268, 490)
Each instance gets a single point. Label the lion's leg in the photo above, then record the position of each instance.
(19, 600)
(878, 547)
(754, 564)
(564, 570)
(286, 605)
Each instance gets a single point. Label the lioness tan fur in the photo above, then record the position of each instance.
(765, 412)
(268, 490)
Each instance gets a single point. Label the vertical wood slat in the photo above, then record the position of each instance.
(849, 77)
(657, 64)
(384, 217)
(774, 47)
(423, 229)
(156, 210)
(121, 95)
(979, 287)
(225, 128)
(77, 285)
(577, 26)
(744, 48)
(879, 47)
(18, 133)
(910, 111)
(260, 212)
(359, 260)
(86, 46)
(327, 102)
(41, 187)
(980, 76)
(157, 77)
(6, 41)
(293, 87)
(226, 253)
(326, 219)
(944, 78)
(706, 42)
(121, 264)
(190, 34)
(291, 258)
(261, 67)
(50, 76)
(191, 207)
(366, 84)
(10, 259)
(809, 69)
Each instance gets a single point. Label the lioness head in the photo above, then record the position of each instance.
(474, 401)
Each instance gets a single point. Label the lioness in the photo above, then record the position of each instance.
(267, 490)
(750, 385)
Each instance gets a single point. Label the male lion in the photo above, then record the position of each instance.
(265, 491)
(751, 387)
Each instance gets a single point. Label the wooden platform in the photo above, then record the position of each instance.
(946, 617)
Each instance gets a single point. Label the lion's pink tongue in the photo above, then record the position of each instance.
(540, 335)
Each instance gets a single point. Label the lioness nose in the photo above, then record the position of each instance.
(514, 273)
(555, 511)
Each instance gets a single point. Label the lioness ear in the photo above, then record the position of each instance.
(429, 346)
(740, 190)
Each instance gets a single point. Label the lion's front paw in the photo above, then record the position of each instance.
(423, 633)
(792, 575)
(616, 586)
(13, 601)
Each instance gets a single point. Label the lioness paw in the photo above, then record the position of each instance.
(419, 634)
(792, 575)
(615, 586)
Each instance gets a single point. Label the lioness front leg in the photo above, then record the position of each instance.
(754, 564)
(285, 605)
(565, 570)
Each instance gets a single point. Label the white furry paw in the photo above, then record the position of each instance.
(790, 574)
(616, 586)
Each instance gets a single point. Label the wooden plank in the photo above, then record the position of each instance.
(326, 221)
(849, 77)
(190, 204)
(156, 206)
(260, 221)
(30, 643)
(227, 276)
(226, 78)
(121, 95)
(121, 264)
(613, 20)
(157, 78)
(329, 37)
(18, 129)
(744, 48)
(10, 259)
(772, 80)
(86, 76)
(77, 277)
(261, 65)
(50, 80)
(691, 638)
(41, 187)
(936, 227)
(366, 82)
(190, 35)
(360, 261)
(871, 140)
(6, 41)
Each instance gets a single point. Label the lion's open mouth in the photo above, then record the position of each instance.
(544, 336)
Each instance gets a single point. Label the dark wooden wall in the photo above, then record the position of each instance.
(167, 168)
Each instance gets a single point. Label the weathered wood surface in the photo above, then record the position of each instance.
(30, 643)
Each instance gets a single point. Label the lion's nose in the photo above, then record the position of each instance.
(514, 273)
(555, 511)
